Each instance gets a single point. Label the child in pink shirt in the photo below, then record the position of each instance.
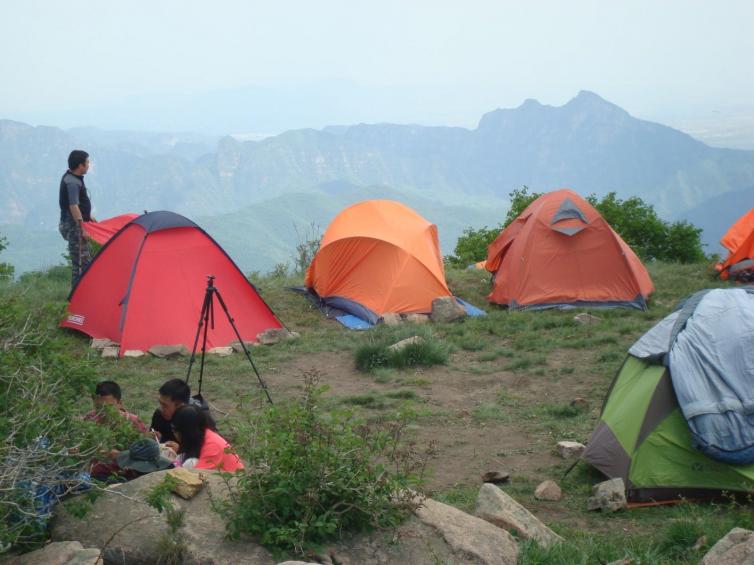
(200, 447)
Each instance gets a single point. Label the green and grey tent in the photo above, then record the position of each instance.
(643, 436)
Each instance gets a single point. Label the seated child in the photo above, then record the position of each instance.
(199, 446)
(108, 400)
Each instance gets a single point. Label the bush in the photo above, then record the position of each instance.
(313, 475)
(45, 445)
(426, 353)
(6, 269)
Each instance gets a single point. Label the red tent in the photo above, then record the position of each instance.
(102, 231)
(146, 287)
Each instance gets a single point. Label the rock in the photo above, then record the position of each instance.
(570, 449)
(496, 477)
(496, 507)
(169, 351)
(139, 542)
(221, 351)
(134, 353)
(297, 563)
(101, 343)
(189, 484)
(548, 490)
(581, 404)
(446, 309)
(469, 537)
(272, 336)
(585, 318)
(391, 319)
(736, 548)
(417, 318)
(623, 562)
(236, 345)
(111, 352)
(608, 496)
(402, 344)
(60, 553)
(135, 530)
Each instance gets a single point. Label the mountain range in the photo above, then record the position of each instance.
(587, 144)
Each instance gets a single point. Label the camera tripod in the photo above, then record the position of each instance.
(207, 319)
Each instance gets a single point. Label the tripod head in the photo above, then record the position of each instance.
(211, 281)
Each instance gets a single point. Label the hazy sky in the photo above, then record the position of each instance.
(275, 64)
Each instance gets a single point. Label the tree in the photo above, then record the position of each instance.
(6, 269)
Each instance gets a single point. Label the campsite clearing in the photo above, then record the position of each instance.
(502, 401)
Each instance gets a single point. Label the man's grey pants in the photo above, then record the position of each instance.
(70, 232)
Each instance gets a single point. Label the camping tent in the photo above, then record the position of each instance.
(377, 257)
(560, 253)
(146, 287)
(643, 436)
(102, 231)
(739, 241)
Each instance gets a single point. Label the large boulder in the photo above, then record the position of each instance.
(446, 309)
(470, 538)
(60, 553)
(736, 548)
(131, 532)
(498, 508)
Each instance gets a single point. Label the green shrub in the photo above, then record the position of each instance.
(45, 444)
(312, 475)
(426, 353)
(6, 269)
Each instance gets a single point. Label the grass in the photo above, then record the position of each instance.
(502, 353)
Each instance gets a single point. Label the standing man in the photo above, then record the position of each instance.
(75, 208)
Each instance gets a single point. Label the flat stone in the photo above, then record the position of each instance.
(608, 496)
(585, 318)
(500, 509)
(169, 351)
(496, 477)
(221, 351)
(623, 562)
(445, 309)
(391, 319)
(60, 553)
(581, 404)
(735, 548)
(417, 318)
(471, 539)
(101, 343)
(272, 336)
(402, 344)
(548, 490)
(236, 345)
(134, 353)
(188, 483)
(111, 352)
(570, 449)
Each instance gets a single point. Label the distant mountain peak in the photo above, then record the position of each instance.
(588, 100)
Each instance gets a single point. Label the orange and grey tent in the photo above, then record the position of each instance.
(378, 257)
(739, 241)
(560, 253)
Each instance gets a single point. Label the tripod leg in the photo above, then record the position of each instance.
(243, 345)
(202, 316)
(209, 314)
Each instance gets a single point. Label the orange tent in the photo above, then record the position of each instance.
(381, 256)
(560, 252)
(739, 241)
